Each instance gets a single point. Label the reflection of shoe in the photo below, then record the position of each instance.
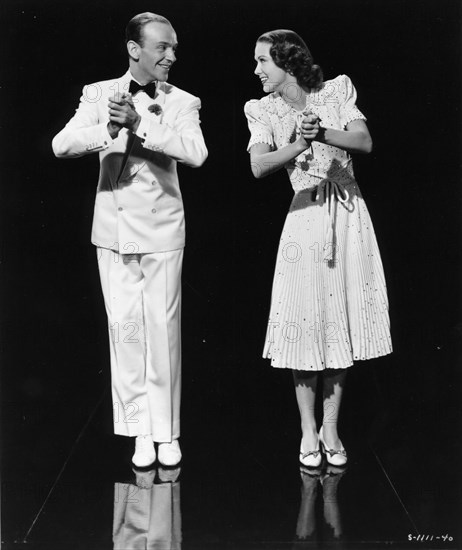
(311, 459)
(169, 453)
(145, 453)
(334, 471)
(144, 479)
(168, 476)
(332, 475)
(336, 457)
(314, 473)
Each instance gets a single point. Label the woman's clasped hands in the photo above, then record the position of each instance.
(309, 127)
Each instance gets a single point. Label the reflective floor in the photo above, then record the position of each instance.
(69, 483)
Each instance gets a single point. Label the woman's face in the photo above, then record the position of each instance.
(272, 77)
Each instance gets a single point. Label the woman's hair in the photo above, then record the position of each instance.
(134, 29)
(289, 52)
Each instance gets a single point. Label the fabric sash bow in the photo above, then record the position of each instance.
(331, 192)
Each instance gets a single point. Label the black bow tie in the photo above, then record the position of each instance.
(150, 88)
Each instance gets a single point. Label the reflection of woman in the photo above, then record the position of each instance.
(306, 521)
(329, 303)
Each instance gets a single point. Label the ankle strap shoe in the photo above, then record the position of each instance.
(336, 457)
(310, 459)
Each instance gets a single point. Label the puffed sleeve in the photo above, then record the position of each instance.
(347, 99)
(259, 124)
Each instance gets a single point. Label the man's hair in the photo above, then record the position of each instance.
(290, 53)
(134, 29)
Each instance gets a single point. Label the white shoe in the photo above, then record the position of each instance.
(335, 457)
(145, 454)
(169, 453)
(311, 459)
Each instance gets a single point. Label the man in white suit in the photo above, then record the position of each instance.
(141, 126)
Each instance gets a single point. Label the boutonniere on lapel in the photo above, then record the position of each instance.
(156, 109)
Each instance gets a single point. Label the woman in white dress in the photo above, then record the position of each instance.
(329, 303)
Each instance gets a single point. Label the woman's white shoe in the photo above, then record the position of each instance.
(310, 459)
(336, 457)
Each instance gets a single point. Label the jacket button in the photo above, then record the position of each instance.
(154, 182)
(153, 210)
(120, 209)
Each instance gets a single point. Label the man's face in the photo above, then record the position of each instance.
(157, 54)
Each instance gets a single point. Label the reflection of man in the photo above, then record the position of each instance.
(141, 126)
(148, 514)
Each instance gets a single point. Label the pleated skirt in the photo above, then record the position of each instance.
(329, 304)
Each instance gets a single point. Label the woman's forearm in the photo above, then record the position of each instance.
(266, 163)
(353, 141)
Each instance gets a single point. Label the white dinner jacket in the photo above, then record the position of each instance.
(138, 206)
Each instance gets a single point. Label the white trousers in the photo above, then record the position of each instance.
(142, 294)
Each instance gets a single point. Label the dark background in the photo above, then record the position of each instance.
(404, 59)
